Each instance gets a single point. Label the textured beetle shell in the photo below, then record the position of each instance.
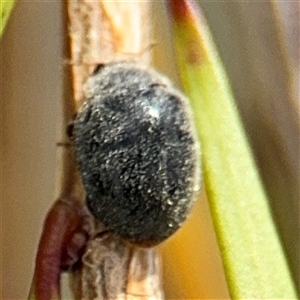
(137, 152)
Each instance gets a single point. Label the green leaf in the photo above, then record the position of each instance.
(5, 10)
(253, 258)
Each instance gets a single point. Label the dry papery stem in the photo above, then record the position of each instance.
(103, 31)
(100, 32)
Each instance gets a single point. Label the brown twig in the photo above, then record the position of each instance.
(102, 31)
(99, 32)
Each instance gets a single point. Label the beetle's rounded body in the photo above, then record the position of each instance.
(137, 152)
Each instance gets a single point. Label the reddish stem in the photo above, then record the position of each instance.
(183, 10)
(61, 246)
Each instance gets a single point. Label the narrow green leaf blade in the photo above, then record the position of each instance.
(253, 258)
(5, 11)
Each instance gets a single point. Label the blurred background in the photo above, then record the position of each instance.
(259, 45)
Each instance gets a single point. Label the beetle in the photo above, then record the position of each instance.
(137, 151)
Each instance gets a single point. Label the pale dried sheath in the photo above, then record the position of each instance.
(116, 270)
(144, 275)
(103, 31)
(106, 262)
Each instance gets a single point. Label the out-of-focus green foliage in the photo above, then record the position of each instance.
(253, 258)
(259, 44)
(5, 11)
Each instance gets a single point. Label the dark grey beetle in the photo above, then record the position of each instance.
(137, 152)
